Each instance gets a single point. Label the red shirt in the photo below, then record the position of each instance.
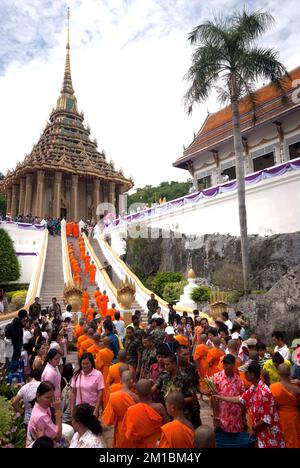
(230, 414)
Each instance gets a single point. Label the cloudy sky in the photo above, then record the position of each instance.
(128, 60)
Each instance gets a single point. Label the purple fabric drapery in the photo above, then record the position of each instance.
(37, 227)
(193, 198)
(26, 254)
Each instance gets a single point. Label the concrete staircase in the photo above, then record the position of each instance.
(53, 280)
(115, 279)
(85, 276)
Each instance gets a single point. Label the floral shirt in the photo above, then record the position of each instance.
(261, 404)
(87, 440)
(230, 414)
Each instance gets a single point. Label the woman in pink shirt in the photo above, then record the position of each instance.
(51, 372)
(87, 385)
(40, 419)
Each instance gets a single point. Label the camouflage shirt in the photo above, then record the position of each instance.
(148, 358)
(158, 336)
(139, 333)
(132, 347)
(191, 371)
(181, 382)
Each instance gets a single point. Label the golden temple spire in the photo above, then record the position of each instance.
(67, 87)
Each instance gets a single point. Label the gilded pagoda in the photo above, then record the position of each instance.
(64, 175)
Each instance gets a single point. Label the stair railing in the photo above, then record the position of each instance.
(68, 278)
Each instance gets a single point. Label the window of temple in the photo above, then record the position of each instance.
(228, 171)
(204, 182)
(294, 150)
(264, 161)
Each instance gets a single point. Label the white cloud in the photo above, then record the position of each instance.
(128, 60)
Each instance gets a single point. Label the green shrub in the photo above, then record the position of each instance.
(259, 291)
(17, 301)
(162, 278)
(9, 264)
(11, 294)
(201, 294)
(173, 291)
(12, 287)
(233, 296)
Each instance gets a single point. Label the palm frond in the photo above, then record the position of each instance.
(248, 26)
(207, 33)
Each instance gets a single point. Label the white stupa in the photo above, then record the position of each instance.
(185, 299)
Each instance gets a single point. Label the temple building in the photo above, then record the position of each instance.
(64, 175)
(272, 140)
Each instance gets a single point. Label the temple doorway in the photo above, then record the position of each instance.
(63, 213)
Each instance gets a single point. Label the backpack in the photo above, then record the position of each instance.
(65, 398)
(9, 331)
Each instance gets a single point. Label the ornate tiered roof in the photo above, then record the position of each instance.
(65, 143)
(217, 127)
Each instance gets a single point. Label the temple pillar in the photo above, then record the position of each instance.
(28, 194)
(14, 200)
(8, 201)
(57, 194)
(74, 198)
(122, 201)
(96, 198)
(22, 195)
(112, 194)
(39, 202)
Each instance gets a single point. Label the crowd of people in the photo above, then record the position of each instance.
(149, 381)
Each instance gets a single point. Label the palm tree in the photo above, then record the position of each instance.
(227, 54)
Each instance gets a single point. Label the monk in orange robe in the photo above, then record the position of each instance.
(103, 361)
(287, 397)
(87, 343)
(82, 338)
(115, 387)
(75, 230)
(90, 313)
(85, 301)
(200, 356)
(87, 264)
(78, 329)
(111, 312)
(182, 340)
(99, 304)
(180, 432)
(114, 376)
(142, 422)
(92, 272)
(104, 302)
(98, 344)
(116, 408)
(69, 228)
(82, 253)
(213, 357)
(97, 293)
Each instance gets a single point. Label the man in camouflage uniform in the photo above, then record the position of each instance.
(138, 331)
(158, 333)
(173, 379)
(148, 356)
(188, 367)
(133, 349)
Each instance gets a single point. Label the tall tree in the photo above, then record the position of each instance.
(10, 269)
(227, 58)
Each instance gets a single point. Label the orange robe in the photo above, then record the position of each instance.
(200, 354)
(113, 415)
(104, 302)
(82, 253)
(175, 434)
(96, 294)
(182, 340)
(75, 230)
(89, 314)
(103, 361)
(289, 414)
(110, 313)
(84, 346)
(213, 357)
(85, 302)
(87, 263)
(99, 303)
(115, 388)
(80, 340)
(78, 331)
(69, 229)
(93, 270)
(113, 376)
(142, 425)
(94, 350)
(238, 363)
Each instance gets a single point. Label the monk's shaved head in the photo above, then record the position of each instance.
(144, 388)
(233, 346)
(205, 437)
(106, 341)
(176, 399)
(284, 370)
(122, 355)
(97, 337)
(203, 338)
(127, 377)
(216, 341)
(123, 369)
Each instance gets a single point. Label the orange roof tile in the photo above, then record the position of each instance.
(218, 126)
